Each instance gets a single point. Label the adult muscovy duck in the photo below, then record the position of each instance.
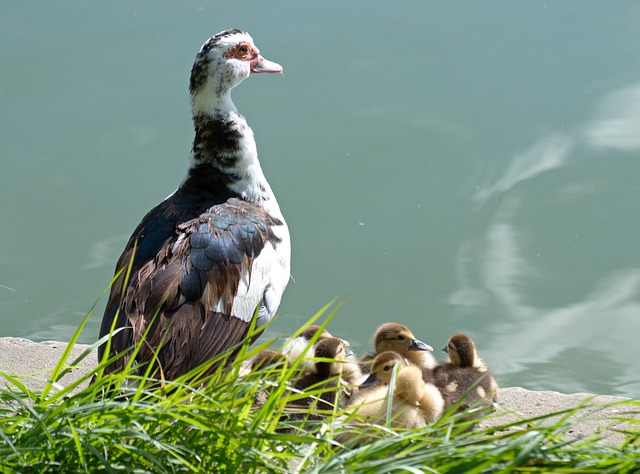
(217, 250)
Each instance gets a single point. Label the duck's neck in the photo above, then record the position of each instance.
(224, 155)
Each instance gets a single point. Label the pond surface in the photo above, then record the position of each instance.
(458, 166)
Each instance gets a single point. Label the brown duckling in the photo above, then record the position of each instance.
(324, 374)
(465, 372)
(300, 344)
(268, 358)
(398, 338)
(269, 362)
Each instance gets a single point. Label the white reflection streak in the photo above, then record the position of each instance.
(504, 267)
(467, 296)
(549, 153)
(102, 252)
(608, 314)
(617, 122)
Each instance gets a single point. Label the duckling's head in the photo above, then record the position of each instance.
(314, 329)
(461, 350)
(331, 348)
(398, 338)
(268, 358)
(300, 344)
(382, 367)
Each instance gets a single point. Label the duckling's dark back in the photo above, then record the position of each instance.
(320, 376)
(465, 377)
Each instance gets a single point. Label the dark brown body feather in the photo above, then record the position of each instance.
(190, 255)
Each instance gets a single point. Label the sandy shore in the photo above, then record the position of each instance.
(24, 357)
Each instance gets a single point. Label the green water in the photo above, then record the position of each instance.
(458, 166)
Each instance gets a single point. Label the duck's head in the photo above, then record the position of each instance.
(461, 350)
(223, 62)
(382, 367)
(398, 338)
(334, 349)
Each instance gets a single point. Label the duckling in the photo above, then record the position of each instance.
(465, 372)
(414, 402)
(297, 345)
(398, 338)
(268, 358)
(269, 362)
(382, 368)
(324, 375)
(424, 396)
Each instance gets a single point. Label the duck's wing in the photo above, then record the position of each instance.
(202, 286)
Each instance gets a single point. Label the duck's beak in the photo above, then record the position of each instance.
(445, 349)
(371, 380)
(260, 64)
(417, 345)
(348, 352)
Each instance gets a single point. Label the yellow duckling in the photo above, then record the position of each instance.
(465, 372)
(382, 368)
(414, 402)
(397, 337)
(383, 364)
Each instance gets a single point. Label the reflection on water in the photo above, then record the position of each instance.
(597, 325)
(617, 120)
(546, 155)
(458, 167)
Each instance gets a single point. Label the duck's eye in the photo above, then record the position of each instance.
(242, 50)
(386, 368)
(401, 338)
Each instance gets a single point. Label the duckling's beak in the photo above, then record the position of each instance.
(417, 345)
(348, 352)
(445, 349)
(371, 380)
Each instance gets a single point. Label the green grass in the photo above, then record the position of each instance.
(214, 426)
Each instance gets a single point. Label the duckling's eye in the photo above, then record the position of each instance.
(386, 368)
(401, 338)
